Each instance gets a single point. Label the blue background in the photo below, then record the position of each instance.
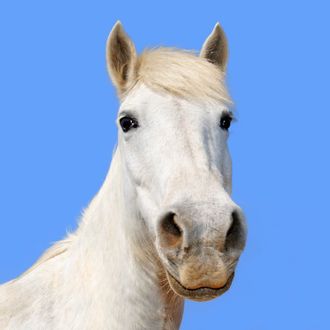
(57, 133)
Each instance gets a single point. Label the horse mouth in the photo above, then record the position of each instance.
(199, 294)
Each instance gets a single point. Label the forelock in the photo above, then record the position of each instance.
(181, 73)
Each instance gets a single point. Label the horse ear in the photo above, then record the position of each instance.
(215, 48)
(121, 58)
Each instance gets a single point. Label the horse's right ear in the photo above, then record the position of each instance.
(121, 58)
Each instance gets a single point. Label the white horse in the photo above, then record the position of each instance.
(163, 226)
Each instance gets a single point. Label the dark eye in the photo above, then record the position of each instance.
(127, 123)
(225, 121)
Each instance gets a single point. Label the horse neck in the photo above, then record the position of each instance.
(120, 261)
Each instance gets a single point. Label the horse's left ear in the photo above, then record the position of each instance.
(215, 48)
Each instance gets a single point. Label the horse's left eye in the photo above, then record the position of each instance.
(225, 121)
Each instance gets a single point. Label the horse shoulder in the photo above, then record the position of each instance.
(26, 302)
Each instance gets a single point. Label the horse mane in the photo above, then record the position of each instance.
(182, 73)
(55, 250)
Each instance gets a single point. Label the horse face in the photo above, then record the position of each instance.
(178, 164)
(173, 129)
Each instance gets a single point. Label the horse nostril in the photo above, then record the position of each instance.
(235, 238)
(170, 231)
(170, 226)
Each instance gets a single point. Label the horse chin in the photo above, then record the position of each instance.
(199, 294)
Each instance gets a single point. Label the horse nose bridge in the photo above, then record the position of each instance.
(195, 187)
(195, 172)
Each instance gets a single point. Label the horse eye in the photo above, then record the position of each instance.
(127, 123)
(225, 121)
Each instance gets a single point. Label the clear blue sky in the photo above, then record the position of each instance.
(57, 133)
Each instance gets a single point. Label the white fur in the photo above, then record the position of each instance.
(102, 280)
(111, 273)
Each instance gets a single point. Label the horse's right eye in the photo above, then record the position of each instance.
(127, 123)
